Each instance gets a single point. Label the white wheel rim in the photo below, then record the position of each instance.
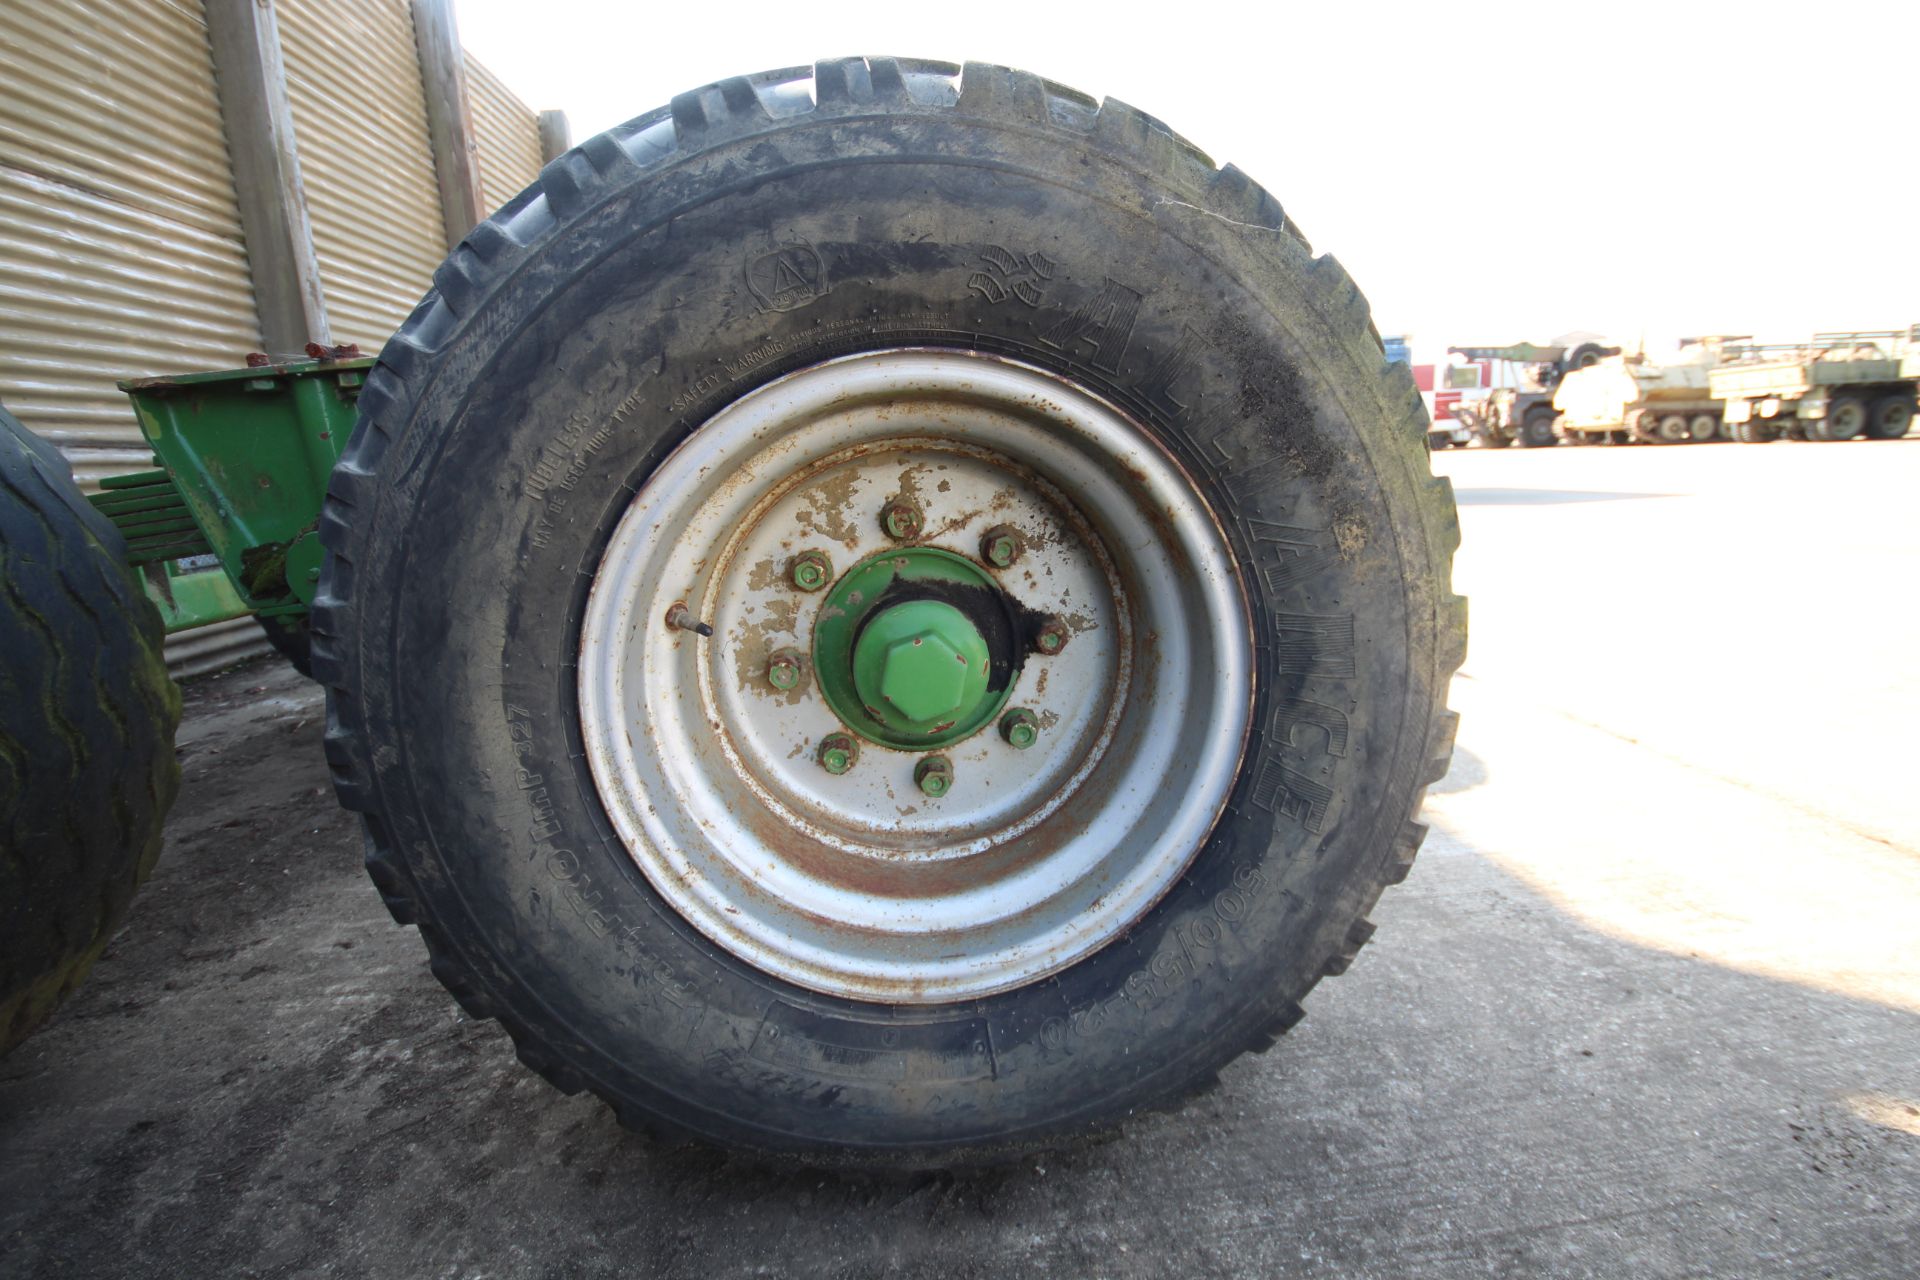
(857, 885)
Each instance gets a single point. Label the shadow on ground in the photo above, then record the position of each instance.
(264, 1079)
(1493, 497)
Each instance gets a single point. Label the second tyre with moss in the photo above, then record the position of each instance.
(890, 610)
(87, 715)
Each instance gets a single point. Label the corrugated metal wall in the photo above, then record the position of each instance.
(121, 251)
(360, 117)
(120, 244)
(508, 134)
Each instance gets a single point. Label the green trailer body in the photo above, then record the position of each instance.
(227, 523)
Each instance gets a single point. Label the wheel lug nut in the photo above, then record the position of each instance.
(902, 520)
(810, 570)
(838, 751)
(1020, 727)
(934, 776)
(1050, 637)
(783, 669)
(1001, 545)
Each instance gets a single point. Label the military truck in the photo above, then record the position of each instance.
(1520, 405)
(1845, 385)
(839, 657)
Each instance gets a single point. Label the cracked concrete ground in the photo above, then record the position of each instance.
(1649, 1004)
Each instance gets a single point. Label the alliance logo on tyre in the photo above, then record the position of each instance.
(788, 277)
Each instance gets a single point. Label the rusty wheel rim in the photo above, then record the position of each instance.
(864, 883)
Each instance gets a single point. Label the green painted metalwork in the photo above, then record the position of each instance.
(898, 663)
(189, 598)
(304, 555)
(147, 508)
(245, 455)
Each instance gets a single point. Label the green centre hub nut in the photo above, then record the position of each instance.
(920, 666)
(916, 648)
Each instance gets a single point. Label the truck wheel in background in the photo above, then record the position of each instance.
(1846, 418)
(1584, 356)
(87, 715)
(1756, 431)
(1537, 431)
(1890, 416)
(848, 367)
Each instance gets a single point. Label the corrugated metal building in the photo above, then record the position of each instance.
(122, 248)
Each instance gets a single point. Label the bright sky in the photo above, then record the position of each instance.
(1489, 173)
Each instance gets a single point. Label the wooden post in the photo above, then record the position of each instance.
(252, 85)
(456, 152)
(555, 136)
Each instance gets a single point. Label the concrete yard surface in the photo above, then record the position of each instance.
(1648, 1006)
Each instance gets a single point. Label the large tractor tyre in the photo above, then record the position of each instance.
(888, 611)
(1537, 431)
(1890, 417)
(87, 716)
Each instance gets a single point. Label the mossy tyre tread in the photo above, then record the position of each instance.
(754, 228)
(87, 716)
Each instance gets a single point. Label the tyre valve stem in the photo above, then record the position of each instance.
(681, 619)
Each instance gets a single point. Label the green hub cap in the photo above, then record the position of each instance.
(921, 666)
(900, 653)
